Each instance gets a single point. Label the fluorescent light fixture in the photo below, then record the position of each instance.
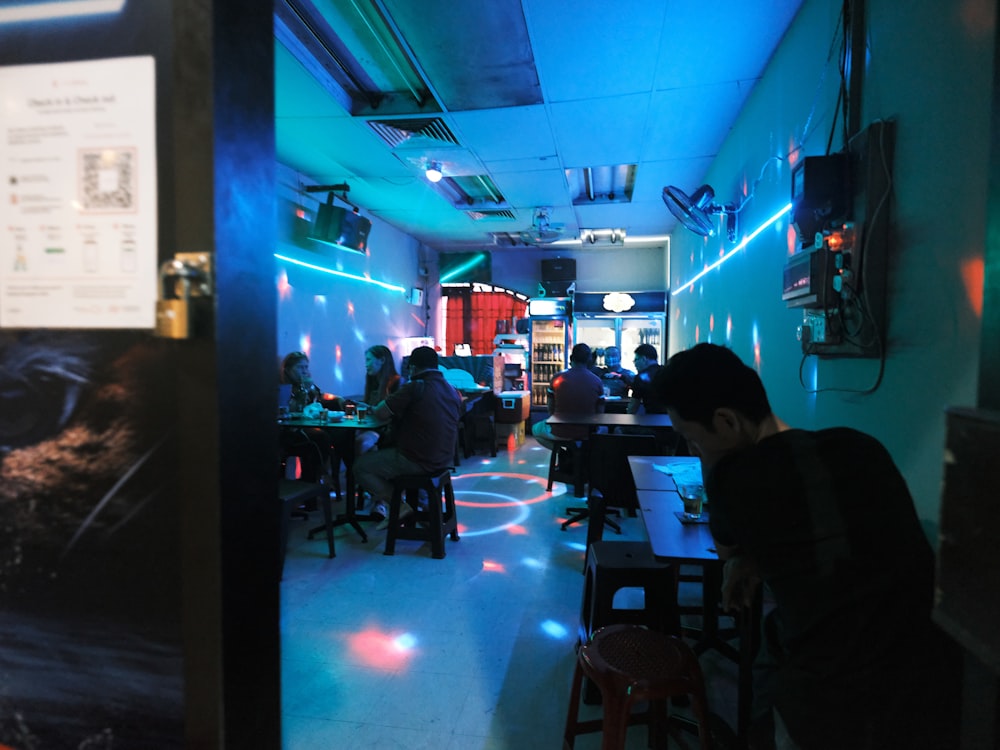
(41, 11)
(341, 274)
(630, 240)
(746, 241)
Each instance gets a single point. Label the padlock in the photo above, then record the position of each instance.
(172, 318)
(184, 289)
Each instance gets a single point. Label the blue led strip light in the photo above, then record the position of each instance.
(746, 241)
(342, 274)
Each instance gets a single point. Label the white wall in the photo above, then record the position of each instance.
(335, 318)
(929, 68)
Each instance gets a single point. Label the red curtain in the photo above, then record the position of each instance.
(458, 304)
(472, 318)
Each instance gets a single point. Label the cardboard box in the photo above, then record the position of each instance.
(510, 435)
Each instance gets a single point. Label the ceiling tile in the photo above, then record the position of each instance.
(600, 131)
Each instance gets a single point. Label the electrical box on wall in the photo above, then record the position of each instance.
(840, 280)
(820, 190)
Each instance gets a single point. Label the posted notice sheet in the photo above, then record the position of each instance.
(78, 212)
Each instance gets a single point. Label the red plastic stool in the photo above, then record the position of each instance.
(631, 664)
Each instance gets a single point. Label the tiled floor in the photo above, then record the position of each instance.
(472, 652)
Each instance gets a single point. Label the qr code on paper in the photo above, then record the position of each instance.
(108, 179)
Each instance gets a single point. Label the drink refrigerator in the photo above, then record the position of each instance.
(551, 338)
(622, 319)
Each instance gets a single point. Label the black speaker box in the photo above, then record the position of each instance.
(559, 269)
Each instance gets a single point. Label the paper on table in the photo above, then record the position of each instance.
(686, 473)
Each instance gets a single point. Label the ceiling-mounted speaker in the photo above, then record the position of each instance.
(336, 225)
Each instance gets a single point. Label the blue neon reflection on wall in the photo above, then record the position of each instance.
(342, 274)
(746, 241)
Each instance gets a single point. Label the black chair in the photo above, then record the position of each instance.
(611, 484)
(568, 464)
(292, 493)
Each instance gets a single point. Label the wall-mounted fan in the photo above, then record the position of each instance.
(542, 231)
(694, 211)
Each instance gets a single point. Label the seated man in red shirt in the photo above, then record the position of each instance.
(425, 413)
(573, 391)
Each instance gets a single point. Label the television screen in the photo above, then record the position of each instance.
(461, 268)
(336, 225)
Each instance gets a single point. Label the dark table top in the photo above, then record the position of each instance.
(368, 423)
(670, 539)
(656, 421)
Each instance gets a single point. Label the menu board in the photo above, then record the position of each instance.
(78, 216)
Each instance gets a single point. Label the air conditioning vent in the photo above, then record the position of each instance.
(397, 132)
(502, 214)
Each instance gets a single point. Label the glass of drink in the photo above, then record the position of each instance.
(350, 410)
(362, 412)
(693, 495)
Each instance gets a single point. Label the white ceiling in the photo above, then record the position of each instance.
(529, 89)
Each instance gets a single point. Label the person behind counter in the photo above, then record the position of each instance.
(381, 379)
(645, 400)
(614, 377)
(424, 413)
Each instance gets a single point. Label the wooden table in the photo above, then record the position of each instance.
(348, 426)
(692, 544)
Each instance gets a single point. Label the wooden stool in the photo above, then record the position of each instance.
(631, 664)
(612, 566)
(430, 525)
(563, 452)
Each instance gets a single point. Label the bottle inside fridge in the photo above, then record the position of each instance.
(548, 356)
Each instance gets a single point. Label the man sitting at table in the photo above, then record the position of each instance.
(573, 391)
(825, 520)
(616, 378)
(644, 398)
(424, 414)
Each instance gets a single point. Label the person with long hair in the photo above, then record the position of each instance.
(381, 379)
(317, 455)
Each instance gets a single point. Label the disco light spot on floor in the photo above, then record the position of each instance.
(380, 650)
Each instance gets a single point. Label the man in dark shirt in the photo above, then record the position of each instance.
(425, 414)
(616, 378)
(644, 398)
(573, 391)
(826, 521)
